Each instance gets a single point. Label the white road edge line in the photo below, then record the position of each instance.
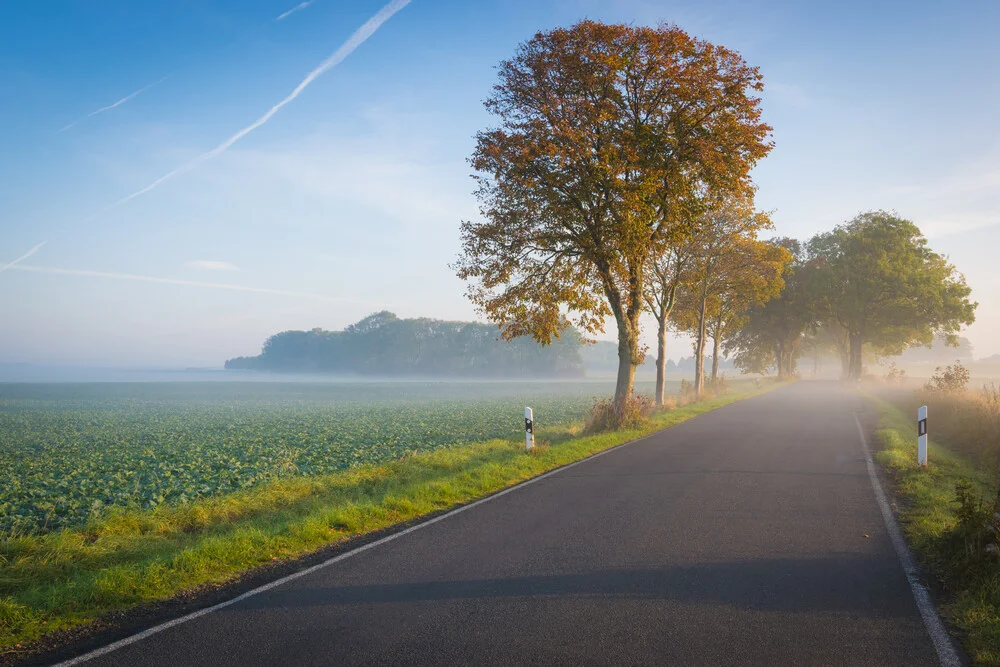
(104, 650)
(947, 655)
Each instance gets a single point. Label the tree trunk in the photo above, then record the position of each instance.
(627, 318)
(699, 355)
(779, 359)
(716, 335)
(855, 361)
(661, 360)
(628, 351)
(715, 360)
(844, 352)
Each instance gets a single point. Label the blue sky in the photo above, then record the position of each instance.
(348, 199)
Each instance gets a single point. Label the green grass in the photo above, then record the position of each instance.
(929, 514)
(129, 557)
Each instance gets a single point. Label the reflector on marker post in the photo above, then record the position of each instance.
(922, 435)
(529, 429)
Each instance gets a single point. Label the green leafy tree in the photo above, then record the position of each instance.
(774, 332)
(881, 283)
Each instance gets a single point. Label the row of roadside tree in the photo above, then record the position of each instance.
(616, 181)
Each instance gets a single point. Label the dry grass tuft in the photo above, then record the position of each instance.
(607, 415)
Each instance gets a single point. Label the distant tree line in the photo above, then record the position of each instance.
(385, 345)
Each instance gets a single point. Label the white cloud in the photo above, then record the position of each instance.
(398, 167)
(943, 225)
(210, 265)
(952, 200)
(176, 281)
(975, 178)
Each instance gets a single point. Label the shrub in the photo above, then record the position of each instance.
(972, 543)
(607, 416)
(950, 379)
(719, 386)
(975, 517)
(895, 375)
(687, 389)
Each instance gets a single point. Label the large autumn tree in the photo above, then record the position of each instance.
(608, 138)
(882, 284)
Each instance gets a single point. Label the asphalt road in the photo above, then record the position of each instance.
(749, 535)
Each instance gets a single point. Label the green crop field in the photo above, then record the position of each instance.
(69, 452)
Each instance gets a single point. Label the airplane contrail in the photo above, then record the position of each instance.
(170, 281)
(112, 106)
(23, 257)
(301, 5)
(353, 42)
(280, 17)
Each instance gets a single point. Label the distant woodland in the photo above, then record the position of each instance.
(385, 345)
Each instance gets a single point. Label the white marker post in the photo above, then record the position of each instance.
(529, 429)
(922, 436)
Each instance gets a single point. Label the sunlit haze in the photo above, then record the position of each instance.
(180, 180)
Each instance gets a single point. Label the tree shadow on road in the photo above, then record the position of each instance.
(860, 584)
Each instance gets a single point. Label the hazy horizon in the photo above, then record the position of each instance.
(171, 198)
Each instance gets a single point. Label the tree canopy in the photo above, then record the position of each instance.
(882, 284)
(611, 138)
(869, 288)
(771, 335)
(728, 270)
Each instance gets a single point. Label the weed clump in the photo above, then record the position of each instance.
(687, 390)
(606, 415)
(718, 386)
(973, 539)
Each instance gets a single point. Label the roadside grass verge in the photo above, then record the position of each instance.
(70, 578)
(948, 536)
